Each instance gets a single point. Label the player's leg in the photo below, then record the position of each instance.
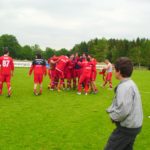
(86, 87)
(74, 83)
(68, 83)
(110, 80)
(35, 89)
(106, 80)
(8, 77)
(110, 84)
(50, 77)
(74, 79)
(64, 84)
(41, 87)
(1, 87)
(81, 80)
(54, 80)
(35, 84)
(40, 83)
(61, 81)
(93, 79)
(69, 80)
(1, 84)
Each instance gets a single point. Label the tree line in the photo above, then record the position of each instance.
(138, 50)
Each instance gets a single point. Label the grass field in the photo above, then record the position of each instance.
(63, 121)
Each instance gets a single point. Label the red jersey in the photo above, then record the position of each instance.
(94, 62)
(62, 62)
(52, 65)
(70, 64)
(86, 68)
(69, 69)
(6, 64)
(39, 67)
(0, 74)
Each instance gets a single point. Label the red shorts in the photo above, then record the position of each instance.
(5, 78)
(0, 78)
(38, 78)
(60, 74)
(93, 76)
(108, 76)
(77, 73)
(52, 74)
(70, 74)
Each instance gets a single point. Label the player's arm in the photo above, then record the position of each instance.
(44, 69)
(31, 68)
(55, 61)
(107, 67)
(12, 67)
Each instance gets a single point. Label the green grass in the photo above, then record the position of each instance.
(62, 121)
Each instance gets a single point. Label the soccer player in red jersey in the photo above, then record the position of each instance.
(61, 63)
(70, 71)
(77, 70)
(39, 68)
(52, 73)
(93, 74)
(0, 81)
(85, 76)
(7, 68)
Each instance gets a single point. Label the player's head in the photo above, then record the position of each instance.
(38, 56)
(68, 55)
(5, 51)
(88, 56)
(76, 54)
(124, 66)
(72, 56)
(106, 61)
(84, 56)
(88, 59)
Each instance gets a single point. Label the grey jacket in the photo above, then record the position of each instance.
(126, 107)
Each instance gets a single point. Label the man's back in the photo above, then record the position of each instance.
(6, 64)
(39, 66)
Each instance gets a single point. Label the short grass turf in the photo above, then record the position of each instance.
(65, 120)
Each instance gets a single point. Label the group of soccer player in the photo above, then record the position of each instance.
(74, 72)
(70, 72)
(65, 72)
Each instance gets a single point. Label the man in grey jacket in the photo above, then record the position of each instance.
(126, 108)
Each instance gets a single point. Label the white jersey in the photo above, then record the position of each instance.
(109, 67)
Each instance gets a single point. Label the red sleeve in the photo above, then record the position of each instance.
(12, 65)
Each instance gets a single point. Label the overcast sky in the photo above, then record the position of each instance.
(64, 23)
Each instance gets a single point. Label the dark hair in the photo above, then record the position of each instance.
(125, 66)
(5, 50)
(88, 59)
(38, 55)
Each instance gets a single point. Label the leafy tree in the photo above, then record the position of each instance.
(11, 42)
(62, 51)
(26, 53)
(49, 52)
